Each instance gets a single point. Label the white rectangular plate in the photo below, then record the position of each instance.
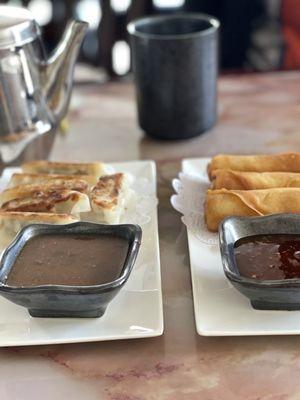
(136, 312)
(220, 310)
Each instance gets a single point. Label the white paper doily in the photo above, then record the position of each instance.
(142, 202)
(189, 201)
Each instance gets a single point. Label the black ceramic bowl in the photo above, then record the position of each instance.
(62, 300)
(268, 294)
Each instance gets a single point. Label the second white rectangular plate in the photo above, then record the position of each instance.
(136, 312)
(220, 310)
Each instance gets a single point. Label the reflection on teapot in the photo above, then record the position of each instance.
(34, 90)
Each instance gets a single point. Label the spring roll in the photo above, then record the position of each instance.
(96, 169)
(286, 162)
(225, 203)
(240, 180)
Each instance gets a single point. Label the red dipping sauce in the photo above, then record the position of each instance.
(268, 257)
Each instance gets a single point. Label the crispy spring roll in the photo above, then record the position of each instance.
(241, 180)
(225, 203)
(286, 162)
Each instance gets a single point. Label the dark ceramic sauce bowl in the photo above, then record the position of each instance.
(63, 300)
(263, 294)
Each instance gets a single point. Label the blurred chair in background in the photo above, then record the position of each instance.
(256, 35)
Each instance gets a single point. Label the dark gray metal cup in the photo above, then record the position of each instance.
(175, 63)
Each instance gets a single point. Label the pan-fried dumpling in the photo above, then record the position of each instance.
(55, 185)
(51, 201)
(64, 168)
(18, 179)
(108, 197)
(11, 223)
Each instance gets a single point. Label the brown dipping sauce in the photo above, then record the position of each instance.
(268, 257)
(69, 260)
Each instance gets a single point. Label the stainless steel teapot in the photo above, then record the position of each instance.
(34, 90)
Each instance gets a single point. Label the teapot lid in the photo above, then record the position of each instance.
(17, 26)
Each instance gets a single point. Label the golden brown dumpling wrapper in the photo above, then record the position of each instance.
(285, 162)
(50, 201)
(18, 179)
(241, 180)
(56, 185)
(64, 168)
(109, 196)
(12, 222)
(223, 203)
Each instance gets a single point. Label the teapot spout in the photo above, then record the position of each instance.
(57, 72)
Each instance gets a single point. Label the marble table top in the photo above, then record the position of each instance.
(257, 113)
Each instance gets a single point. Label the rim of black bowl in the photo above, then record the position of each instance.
(129, 262)
(227, 258)
(132, 27)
